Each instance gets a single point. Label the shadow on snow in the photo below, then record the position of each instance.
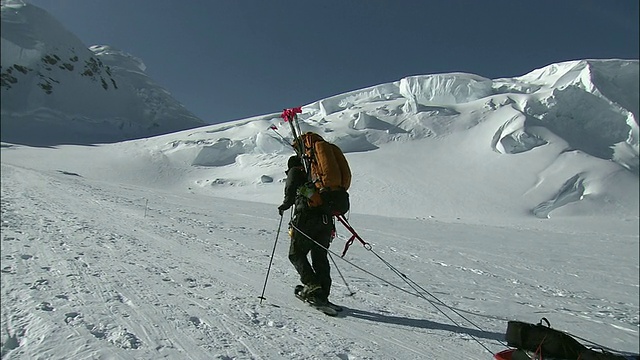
(419, 323)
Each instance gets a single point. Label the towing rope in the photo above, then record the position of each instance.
(419, 291)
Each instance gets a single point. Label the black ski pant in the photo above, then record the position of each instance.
(318, 272)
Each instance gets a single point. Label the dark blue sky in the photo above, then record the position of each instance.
(232, 59)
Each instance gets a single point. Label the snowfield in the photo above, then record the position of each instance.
(481, 201)
(94, 269)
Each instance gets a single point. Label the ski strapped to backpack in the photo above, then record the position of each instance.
(326, 166)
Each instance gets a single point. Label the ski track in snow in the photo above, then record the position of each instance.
(88, 269)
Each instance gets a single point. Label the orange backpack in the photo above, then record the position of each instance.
(330, 174)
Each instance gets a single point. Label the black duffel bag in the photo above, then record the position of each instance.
(550, 343)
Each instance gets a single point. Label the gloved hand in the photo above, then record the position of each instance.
(282, 208)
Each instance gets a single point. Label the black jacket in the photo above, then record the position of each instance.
(316, 221)
(296, 177)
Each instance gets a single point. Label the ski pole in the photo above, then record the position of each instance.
(351, 292)
(284, 140)
(270, 261)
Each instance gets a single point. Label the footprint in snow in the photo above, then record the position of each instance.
(73, 318)
(45, 306)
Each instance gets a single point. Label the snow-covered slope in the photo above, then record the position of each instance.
(564, 136)
(95, 269)
(53, 83)
(505, 149)
(549, 141)
(506, 199)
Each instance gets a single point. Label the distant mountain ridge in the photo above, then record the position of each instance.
(52, 83)
(50, 80)
(564, 134)
(592, 104)
(563, 138)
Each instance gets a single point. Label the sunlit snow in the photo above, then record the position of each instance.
(499, 199)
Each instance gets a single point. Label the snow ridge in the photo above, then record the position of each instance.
(50, 81)
(567, 114)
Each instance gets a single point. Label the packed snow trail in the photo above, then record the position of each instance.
(101, 270)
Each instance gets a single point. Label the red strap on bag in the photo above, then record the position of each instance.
(353, 237)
